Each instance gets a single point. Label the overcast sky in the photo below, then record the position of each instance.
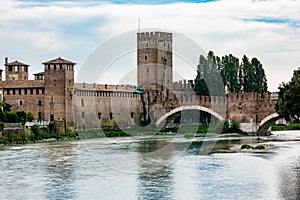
(34, 31)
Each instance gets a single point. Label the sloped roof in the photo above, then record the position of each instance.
(39, 73)
(16, 63)
(59, 60)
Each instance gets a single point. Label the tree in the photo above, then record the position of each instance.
(288, 104)
(208, 81)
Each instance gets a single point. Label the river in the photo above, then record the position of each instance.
(164, 167)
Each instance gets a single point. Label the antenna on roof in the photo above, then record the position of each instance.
(139, 24)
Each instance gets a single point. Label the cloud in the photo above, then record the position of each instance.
(268, 30)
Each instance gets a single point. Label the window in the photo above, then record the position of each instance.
(54, 67)
(132, 115)
(40, 102)
(19, 91)
(21, 103)
(40, 115)
(99, 115)
(82, 114)
(37, 91)
(14, 91)
(10, 68)
(48, 67)
(111, 116)
(145, 57)
(25, 91)
(82, 102)
(31, 91)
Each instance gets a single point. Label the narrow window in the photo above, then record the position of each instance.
(40, 102)
(40, 115)
(37, 91)
(21, 103)
(31, 91)
(99, 115)
(132, 115)
(25, 91)
(111, 116)
(82, 114)
(82, 102)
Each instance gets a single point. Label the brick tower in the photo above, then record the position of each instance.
(59, 85)
(154, 58)
(16, 70)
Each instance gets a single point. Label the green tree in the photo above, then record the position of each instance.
(208, 81)
(30, 116)
(288, 104)
(22, 117)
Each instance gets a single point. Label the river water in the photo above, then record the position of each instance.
(141, 167)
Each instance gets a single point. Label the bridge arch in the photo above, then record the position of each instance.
(265, 124)
(183, 108)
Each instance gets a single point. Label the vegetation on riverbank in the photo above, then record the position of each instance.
(248, 146)
(286, 128)
(35, 134)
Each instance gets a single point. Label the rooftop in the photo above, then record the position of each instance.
(16, 63)
(59, 60)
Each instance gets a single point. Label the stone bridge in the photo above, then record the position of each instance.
(254, 111)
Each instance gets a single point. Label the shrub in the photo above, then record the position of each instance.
(11, 117)
(235, 127)
(246, 146)
(260, 146)
(35, 129)
(189, 135)
(52, 127)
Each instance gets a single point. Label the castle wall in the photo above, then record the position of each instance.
(27, 95)
(98, 106)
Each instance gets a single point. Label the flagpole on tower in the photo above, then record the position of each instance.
(139, 24)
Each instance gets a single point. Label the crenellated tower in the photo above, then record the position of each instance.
(59, 86)
(154, 58)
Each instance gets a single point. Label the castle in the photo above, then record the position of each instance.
(53, 94)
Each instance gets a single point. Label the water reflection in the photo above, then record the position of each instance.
(59, 171)
(143, 168)
(155, 179)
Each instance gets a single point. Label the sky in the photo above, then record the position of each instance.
(35, 31)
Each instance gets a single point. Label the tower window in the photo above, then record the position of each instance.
(37, 91)
(132, 115)
(21, 103)
(25, 91)
(31, 91)
(40, 115)
(111, 116)
(99, 115)
(82, 114)
(40, 102)
(145, 57)
(82, 102)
